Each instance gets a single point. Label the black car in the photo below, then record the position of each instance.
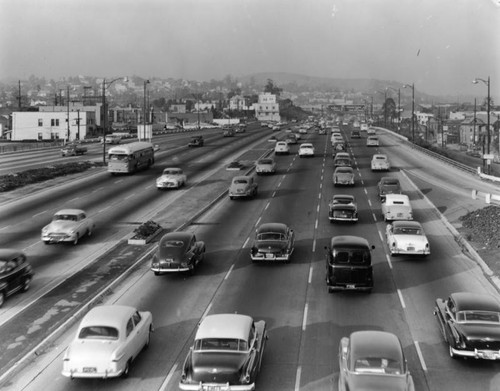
(196, 141)
(470, 324)
(177, 252)
(348, 264)
(388, 185)
(15, 273)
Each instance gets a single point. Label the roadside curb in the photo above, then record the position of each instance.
(466, 247)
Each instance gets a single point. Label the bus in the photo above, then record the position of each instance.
(128, 158)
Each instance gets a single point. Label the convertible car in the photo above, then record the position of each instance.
(273, 242)
(226, 355)
(68, 225)
(373, 360)
(407, 237)
(343, 207)
(108, 339)
(470, 324)
(177, 252)
(171, 178)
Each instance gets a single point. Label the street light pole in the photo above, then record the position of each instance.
(487, 82)
(412, 86)
(399, 101)
(105, 114)
(144, 111)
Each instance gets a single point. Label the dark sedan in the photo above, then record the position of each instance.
(373, 360)
(273, 242)
(15, 273)
(388, 185)
(177, 252)
(470, 324)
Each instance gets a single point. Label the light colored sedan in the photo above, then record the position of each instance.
(343, 176)
(265, 166)
(68, 225)
(108, 339)
(306, 150)
(281, 148)
(372, 141)
(407, 237)
(380, 162)
(171, 178)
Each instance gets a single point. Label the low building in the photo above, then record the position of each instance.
(267, 108)
(32, 125)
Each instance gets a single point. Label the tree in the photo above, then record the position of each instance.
(272, 88)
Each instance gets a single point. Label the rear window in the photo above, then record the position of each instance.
(98, 332)
(351, 256)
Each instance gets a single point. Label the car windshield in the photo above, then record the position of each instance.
(478, 316)
(270, 236)
(344, 171)
(65, 217)
(98, 332)
(171, 172)
(265, 161)
(339, 200)
(390, 183)
(378, 365)
(240, 181)
(220, 344)
(173, 243)
(407, 231)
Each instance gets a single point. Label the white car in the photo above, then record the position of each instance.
(281, 148)
(306, 149)
(407, 237)
(380, 162)
(372, 141)
(396, 207)
(108, 339)
(265, 166)
(172, 178)
(68, 225)
(371, 131)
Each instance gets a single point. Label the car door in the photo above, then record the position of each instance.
(141, 332)
(132, 342)
(13, 275)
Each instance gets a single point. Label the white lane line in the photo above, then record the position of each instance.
(246, 242)
(304, 320)
(267, 206)
(129, 196)
(106, 208)
(168, 378)
(206, 311)
(229, 272)
(297, 378)
(316, 224)
(362, 182)
(258, 221)
(40, 213)
(309, 279)
(380, 236)
(388, 260)
(118, 181)
(73, 199)
(149, 187)
(369, 202)
(401, 299)
(96, 190)
(274, 194)
(317, 208)
(6, 227)
(374, 217)
(314, 245)
(32, 245)
(420, 356)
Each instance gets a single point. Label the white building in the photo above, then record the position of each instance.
(32, 125)
(267, 109)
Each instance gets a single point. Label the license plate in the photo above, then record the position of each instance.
(213, 388)
(350, 286)
(488, 355)
(410, 249)
(89, 370)
(268, 255)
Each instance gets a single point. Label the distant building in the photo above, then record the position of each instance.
(52, 125)
(238, 102)
(267, 108)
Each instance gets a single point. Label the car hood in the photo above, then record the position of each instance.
(269, 245)
(376, 382)
(61, 226)
(217, 367)
(478, 332)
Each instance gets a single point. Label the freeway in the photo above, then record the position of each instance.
(305, 322)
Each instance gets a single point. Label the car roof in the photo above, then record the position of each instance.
(374, 343)
(69, 212)
(349, 240)
(10, 253)
(465, 301)
(306, 145)
(108, 315)
(335, 196)
(342, 155)
(406, 223)
(379, 156)
(235, 326)
(183, 236)
(172, 168)
(240, 177)
(272, 227)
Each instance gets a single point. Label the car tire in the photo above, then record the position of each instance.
(89, 232)
(75, 242)
(26, 284)
(148, 339)
(126, 371)
(157, 273)
(46, 242)
(2, 298)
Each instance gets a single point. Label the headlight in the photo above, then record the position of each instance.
(184, 264)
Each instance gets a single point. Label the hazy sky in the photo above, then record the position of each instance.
(440, 45)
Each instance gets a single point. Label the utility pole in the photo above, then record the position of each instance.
(78, 123)
(67, 113)
(474, 125)
(19, 96)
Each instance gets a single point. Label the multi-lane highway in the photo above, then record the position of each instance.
(305, 323)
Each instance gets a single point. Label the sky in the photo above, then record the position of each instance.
(440, 45)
